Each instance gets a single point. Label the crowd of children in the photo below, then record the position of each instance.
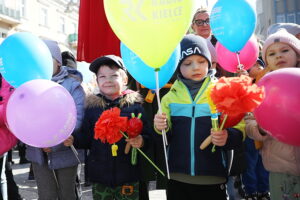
(272, 170)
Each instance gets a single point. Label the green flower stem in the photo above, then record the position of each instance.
(223, 122)
(221, 128)
(152, 163)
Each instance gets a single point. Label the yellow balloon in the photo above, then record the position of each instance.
(150, 28)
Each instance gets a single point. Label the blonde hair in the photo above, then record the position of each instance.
(199, 10)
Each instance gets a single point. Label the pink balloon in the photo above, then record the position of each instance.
(248, 56)
(41, 113)
(279, 113)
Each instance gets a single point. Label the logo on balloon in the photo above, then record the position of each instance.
(151, 29)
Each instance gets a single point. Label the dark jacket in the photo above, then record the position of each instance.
(103, 167)
(190, 124)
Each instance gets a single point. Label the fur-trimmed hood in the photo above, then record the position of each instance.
(129, 97)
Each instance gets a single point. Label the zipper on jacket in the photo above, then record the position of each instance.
(193, 122)
(193, 111)
(192, 134)
(192, 143)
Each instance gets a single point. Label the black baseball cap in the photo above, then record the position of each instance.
(107, 60)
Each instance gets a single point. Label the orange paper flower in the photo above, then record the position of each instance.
(236, 95)
(109, 125)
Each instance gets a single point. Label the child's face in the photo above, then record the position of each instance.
(255, 70)
(281, 55)
(111, 81)
(194, 67)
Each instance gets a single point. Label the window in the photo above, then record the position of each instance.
(74, 28)
(61, 25)
(290, 4)
(291, 18)
(279, 6)
(23, 8)
(44, 17)
(280, 18)
(3, 35)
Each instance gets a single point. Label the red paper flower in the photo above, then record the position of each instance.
(236, 95)
(135, 126)
(109, 125)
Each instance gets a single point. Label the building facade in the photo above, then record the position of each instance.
(48, 19)
(276, 11)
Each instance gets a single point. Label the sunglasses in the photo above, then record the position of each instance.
(200, 22)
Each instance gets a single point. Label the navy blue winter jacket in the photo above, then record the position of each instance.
(103, 167)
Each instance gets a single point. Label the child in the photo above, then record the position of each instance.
(255, 177)
(280, 50)
(256, 69)
(186, 116)
(8, 186)
(112, 177)
(55, 168)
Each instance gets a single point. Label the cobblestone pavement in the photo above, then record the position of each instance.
(28, 188)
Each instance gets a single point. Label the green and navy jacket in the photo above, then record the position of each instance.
(189, 122)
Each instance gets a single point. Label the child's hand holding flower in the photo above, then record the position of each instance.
(136, 142)
(219, 138)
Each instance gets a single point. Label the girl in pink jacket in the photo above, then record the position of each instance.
(280, 50)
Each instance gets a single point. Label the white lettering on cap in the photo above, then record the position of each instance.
(190, 51)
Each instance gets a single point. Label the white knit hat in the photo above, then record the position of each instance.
(281, 36)
(292, 28)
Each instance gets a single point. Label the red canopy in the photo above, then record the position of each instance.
(95, 36)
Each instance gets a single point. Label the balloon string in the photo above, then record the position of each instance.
(3, 181)
(239, 62)
(165, 142)
(159, 105)
(75, 153)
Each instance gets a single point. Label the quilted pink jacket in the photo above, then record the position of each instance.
(7, 139)
(277, 156)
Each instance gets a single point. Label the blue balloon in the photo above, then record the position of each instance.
(232, 23)
(25, 57)
(144, 74)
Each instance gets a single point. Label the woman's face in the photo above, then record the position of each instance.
(201, 25)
